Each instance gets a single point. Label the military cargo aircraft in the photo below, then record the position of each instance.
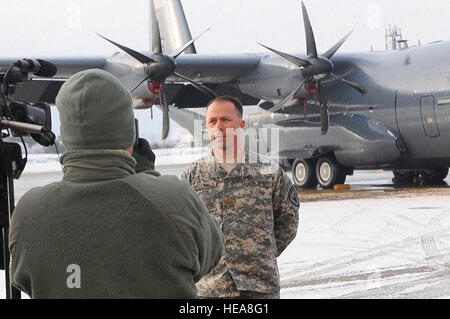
(336, 113)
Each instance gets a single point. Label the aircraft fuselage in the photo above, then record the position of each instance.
(408, 100)
(408, 96)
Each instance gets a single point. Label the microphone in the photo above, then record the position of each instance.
(37, 67)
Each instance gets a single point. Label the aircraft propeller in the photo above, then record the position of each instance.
(158, 67)
(314, 69)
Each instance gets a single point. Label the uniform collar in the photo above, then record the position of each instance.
(242, 169)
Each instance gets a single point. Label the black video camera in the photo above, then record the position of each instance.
(35, 114)
(24, 118)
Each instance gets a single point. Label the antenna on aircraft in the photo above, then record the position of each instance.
(394, 39)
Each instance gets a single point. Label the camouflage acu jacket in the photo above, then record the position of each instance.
(257, 207)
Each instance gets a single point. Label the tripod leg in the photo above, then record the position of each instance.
(11, 292)
(6, 209)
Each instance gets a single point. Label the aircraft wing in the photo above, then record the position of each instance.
(216, 69)
(66, 66)
(46, 89)
(220, 73)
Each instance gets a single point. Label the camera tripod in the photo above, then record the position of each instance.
(10, 159)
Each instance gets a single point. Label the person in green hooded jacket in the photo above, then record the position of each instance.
(106, 230)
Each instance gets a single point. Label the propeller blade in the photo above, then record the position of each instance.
(310, 41)
(138, 56)
(278, 106)
(138, 85)
(336, 47)
(361, 89)
(202, 88)
(165, 109)
(156, 35)
(324, 115)
(175, 54)
(293, 59)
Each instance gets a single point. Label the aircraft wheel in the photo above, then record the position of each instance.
(434, 175)
(329, 172)
(303, 173)
(404, 176)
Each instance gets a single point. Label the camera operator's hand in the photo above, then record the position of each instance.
(144, 156)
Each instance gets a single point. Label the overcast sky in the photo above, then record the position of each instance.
(67, 27)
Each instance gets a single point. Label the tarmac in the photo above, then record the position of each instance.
(383, 192)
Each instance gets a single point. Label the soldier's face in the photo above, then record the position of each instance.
(224, 124)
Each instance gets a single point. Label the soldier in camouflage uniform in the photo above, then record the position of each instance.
(255, 204)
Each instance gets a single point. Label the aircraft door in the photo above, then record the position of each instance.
(418, 127)
(427, 110)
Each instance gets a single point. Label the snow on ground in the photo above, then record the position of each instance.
(377, 248)
(365, 248)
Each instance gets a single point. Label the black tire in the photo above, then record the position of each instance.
(434, 175)
(329, 172)
(303, 173)
(404, 176)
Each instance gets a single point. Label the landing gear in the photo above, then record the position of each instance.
(325, 171)
(434, 175)
(329, 172)
(420, 177)
(304, 173)
(404, 177)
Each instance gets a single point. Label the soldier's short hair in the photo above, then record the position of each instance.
(227, 98)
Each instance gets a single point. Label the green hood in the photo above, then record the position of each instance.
(96, 112)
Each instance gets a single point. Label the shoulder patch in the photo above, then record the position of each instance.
(293, 197)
